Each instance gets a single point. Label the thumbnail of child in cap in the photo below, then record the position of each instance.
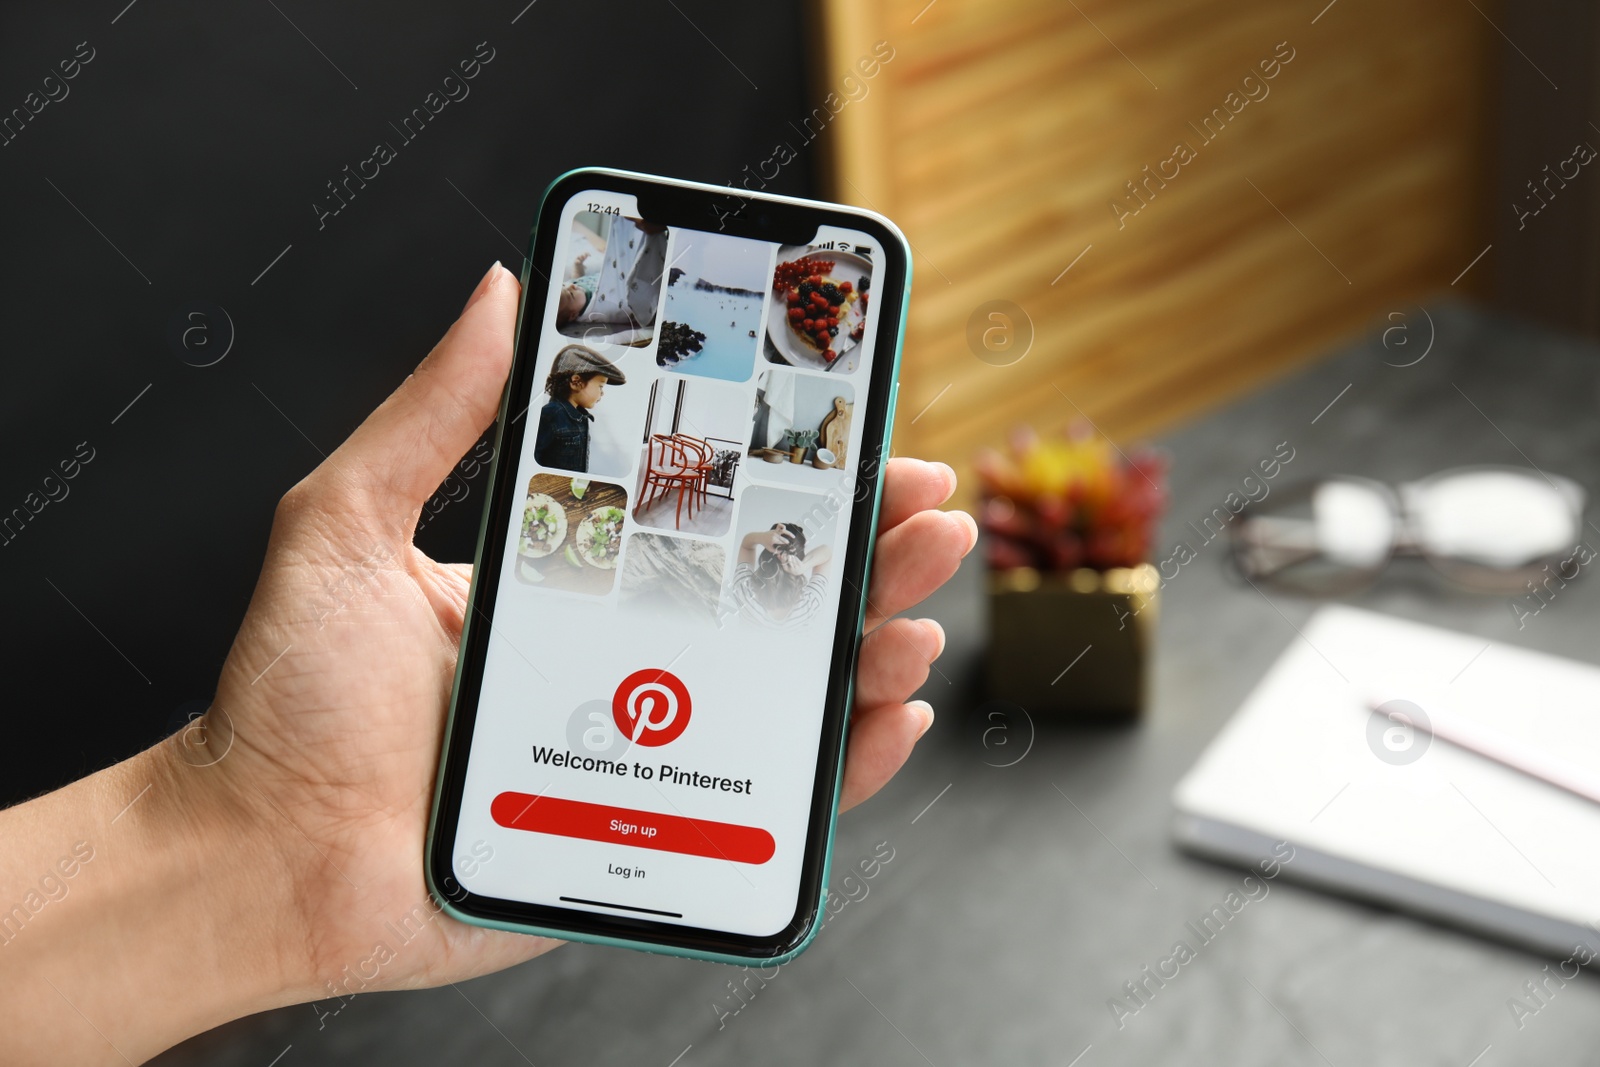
(578, 378)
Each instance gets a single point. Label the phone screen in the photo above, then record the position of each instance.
(671, 574)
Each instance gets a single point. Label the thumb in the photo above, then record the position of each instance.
(403, 451)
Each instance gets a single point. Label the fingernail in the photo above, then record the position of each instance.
(483, 286)
(972, 529)
(938, 629)
(927, 715)
(950, 474)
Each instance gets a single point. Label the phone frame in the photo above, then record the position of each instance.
(761, 216)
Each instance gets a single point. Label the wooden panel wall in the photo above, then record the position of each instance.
(1001, 133)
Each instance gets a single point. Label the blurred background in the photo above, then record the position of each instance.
(1186, 232)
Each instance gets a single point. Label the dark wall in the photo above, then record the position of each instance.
(1546, 228)
(177, 164)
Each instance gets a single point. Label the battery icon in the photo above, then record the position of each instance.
(865, 250)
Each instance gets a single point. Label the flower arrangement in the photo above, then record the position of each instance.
(1071, 501)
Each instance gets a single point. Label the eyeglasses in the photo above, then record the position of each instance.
(1490, 529)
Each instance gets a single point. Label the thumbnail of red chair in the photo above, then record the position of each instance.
(670, 466)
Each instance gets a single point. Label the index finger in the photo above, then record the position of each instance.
(913, 485)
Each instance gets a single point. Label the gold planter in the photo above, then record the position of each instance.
(1074, 645)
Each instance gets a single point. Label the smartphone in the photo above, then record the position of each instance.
(646, 732)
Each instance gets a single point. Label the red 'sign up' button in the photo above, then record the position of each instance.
(625, 826)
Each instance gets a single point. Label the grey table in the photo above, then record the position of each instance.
(1020, 899)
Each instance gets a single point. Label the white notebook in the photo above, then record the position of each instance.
(1451, 834)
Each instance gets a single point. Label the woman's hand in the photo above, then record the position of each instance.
(771, 540)
(791, 563)
(338, 683)
(262, 854)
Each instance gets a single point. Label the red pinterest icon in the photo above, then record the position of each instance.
(651, 707)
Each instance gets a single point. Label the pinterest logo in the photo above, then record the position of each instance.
(651, 707)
